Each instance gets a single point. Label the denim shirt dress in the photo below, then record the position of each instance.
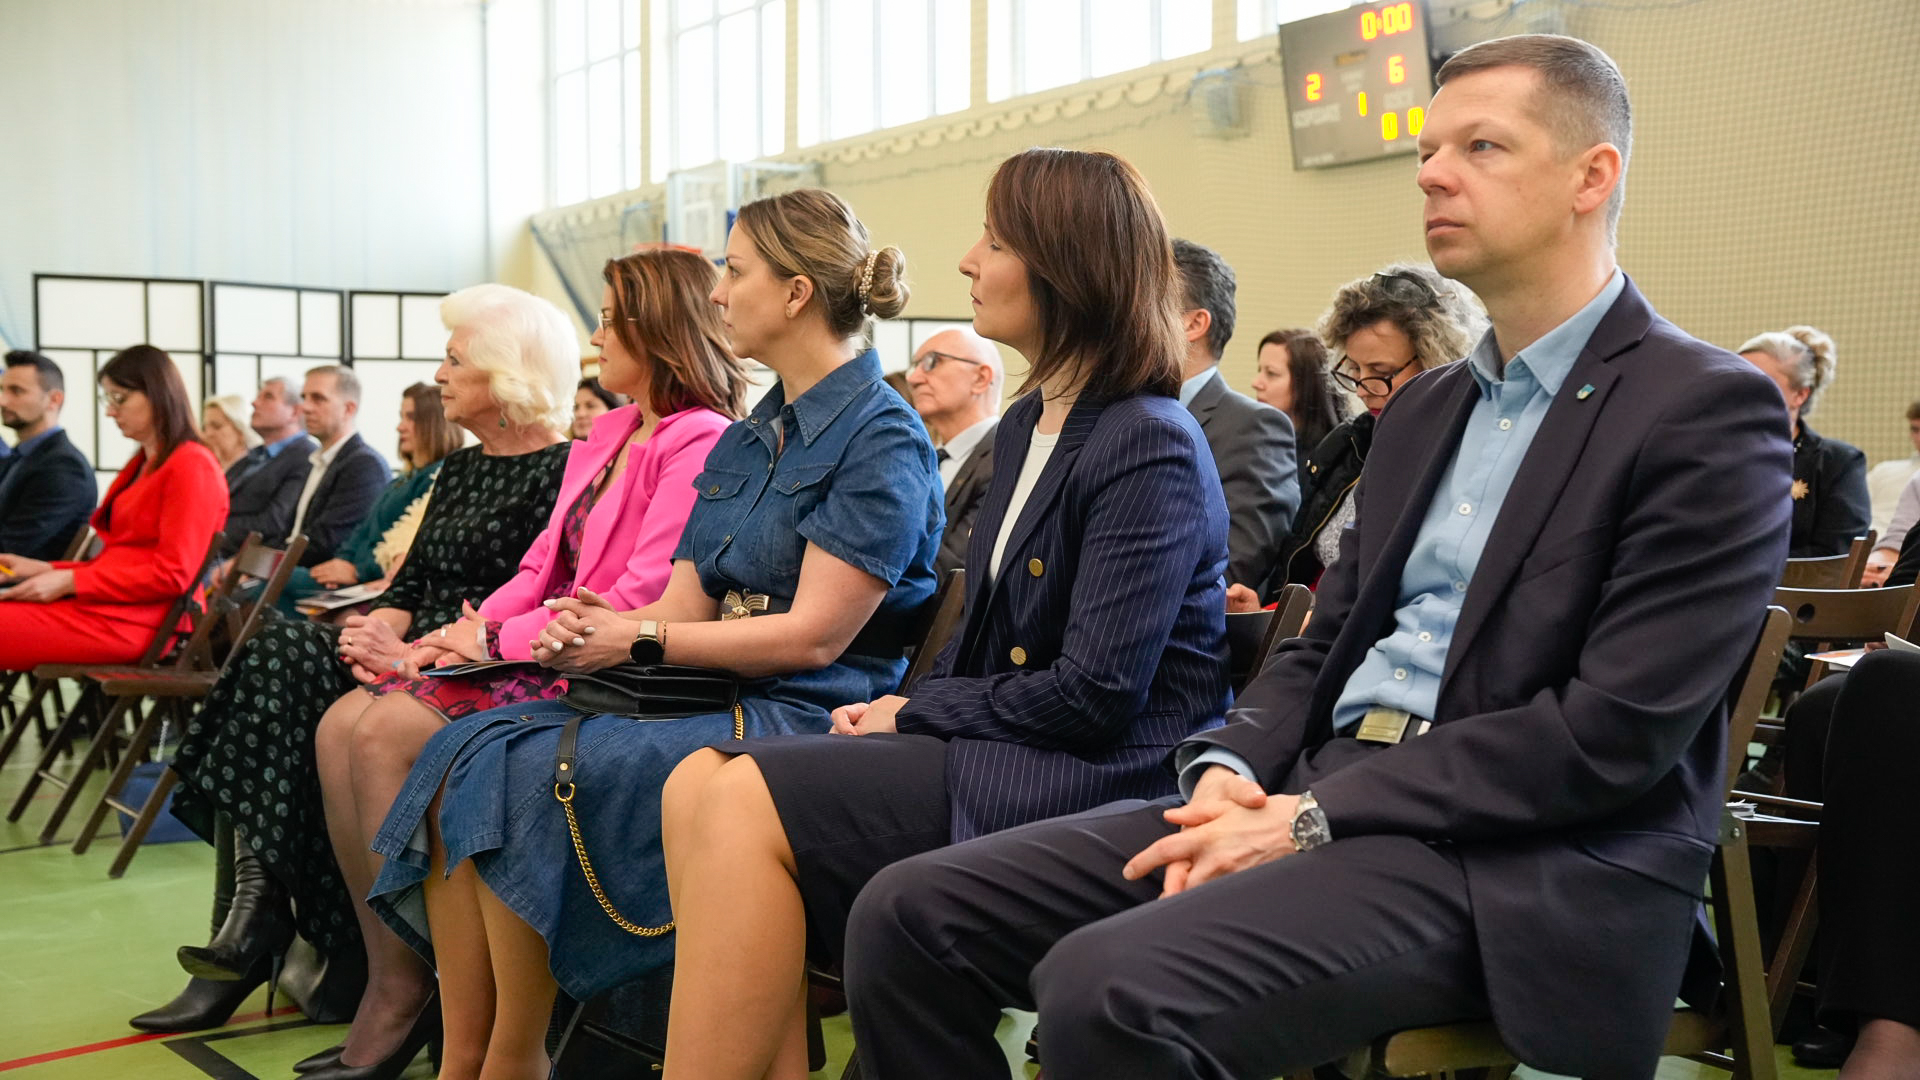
(857, 478)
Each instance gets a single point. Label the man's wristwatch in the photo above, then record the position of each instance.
(1309, 824)
(650, 647)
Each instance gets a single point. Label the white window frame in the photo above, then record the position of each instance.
(626, 62)
(770, 131)
(1008, 82)
(1262, 18)
(817, 43)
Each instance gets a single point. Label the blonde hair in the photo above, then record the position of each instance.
(525, 345)
(234, 408)
(1807, 356)
(812, 233)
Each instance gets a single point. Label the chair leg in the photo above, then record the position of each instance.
(1749, 1025)
(816, 1039)
(23, 717)
(103, 740)
(1796, 941)
(117, 783)
(143, 821)
(72, 722)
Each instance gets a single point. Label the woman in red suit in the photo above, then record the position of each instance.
(154, 527)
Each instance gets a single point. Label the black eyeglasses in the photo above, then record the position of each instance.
(932, 360)
(1377, 385)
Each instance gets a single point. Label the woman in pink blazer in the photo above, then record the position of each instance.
(622, 505)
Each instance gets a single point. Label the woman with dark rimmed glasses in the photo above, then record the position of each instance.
(1380, 332)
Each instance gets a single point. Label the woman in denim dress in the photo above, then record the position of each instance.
(818, 520)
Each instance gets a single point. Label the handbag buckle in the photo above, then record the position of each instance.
(742, 604)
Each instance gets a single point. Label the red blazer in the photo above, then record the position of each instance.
(154, 530)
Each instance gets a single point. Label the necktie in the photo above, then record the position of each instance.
(942, 456)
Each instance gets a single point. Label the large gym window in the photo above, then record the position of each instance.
(1257, 17)
(720, 84)
(595, 92)
(1035, 45)
(863, 65)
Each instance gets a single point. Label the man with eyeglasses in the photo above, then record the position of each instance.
(1487, 781)
(954, 382)
(264, 487)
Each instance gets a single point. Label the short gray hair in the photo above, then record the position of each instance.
(1583, 98)
(344, 380)
(525, 345)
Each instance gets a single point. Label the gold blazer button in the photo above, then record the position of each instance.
(1036, 567)
(1019, 656)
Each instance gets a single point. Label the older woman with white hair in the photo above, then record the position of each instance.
(1830, 501)
(247, 757)
(223, 423)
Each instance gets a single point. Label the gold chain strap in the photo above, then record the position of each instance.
(586, 864)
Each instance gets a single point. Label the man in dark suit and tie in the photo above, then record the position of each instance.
(1486, 782)
(263, 488)
(955, 382)
(1252, 442)
(47, 489)
(344, 476)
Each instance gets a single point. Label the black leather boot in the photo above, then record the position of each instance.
(259, 924)
(209, 1004)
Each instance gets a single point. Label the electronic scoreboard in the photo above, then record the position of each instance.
(1358, 82)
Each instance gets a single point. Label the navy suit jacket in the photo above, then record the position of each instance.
(265, 499)
(1102, 644)
(45, 497)
(1577, 759)
(347, 492)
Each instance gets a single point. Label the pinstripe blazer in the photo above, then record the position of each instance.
(1102, 643)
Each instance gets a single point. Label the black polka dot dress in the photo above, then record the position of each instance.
(249, 750)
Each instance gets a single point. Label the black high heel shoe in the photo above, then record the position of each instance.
(259, 924)
(324, 1059)
(424, 1033)
(209, 1003)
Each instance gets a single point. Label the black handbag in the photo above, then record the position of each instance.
(653, 691)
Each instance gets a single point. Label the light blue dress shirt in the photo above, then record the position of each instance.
(1403, 669)
(26, 445)
(1190, 387)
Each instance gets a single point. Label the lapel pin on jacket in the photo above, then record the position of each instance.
(1585, 392)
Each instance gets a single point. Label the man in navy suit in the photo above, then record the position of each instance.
(47, 488)
(1486, 782)
(344, 476)
(263, 488)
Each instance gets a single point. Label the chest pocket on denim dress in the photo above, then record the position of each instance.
(796, 491)
(715, 514)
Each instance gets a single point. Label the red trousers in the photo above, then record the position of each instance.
(73, 631)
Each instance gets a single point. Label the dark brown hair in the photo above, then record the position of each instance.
(434, 436)
(1100, 268)
(1913, 411)
(664, 317)
(1317, 407)
(813, 233)
(1582, 99)
(150, 371)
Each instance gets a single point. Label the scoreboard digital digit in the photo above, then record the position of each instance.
(1358, 82)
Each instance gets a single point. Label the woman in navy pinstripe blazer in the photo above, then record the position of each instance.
(1093, 643)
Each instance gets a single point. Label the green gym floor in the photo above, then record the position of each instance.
(79, 953)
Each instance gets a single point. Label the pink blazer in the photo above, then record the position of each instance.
(626, 551)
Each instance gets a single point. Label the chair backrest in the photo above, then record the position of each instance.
(77, 549)
(1850, 614)
(1831, 571)
(942, 617)
(1750, 692)
(272, 568)
(181, 608)
(1252, 636)
(1289, 617)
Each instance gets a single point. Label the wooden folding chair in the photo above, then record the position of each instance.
(88, 717)
(1737, 1032)
(172, 691)
(196, 653)
(1832, 571)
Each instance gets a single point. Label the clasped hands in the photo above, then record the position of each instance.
(372, 649)
(585, 634)
(33, 581)
(868, 717)
(1229, 825)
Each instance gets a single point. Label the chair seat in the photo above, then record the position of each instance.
(150, 683)
(1475, 1045)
